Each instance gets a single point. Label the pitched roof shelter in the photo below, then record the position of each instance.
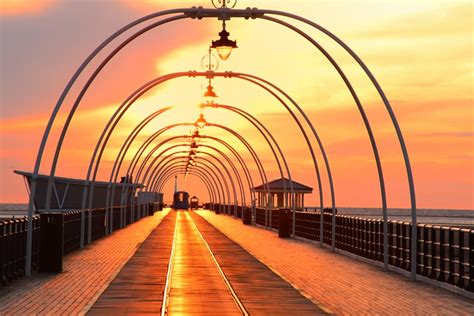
(277, 190)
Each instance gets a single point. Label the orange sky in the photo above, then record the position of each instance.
(421, 53)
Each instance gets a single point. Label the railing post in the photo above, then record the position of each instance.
(470, 285)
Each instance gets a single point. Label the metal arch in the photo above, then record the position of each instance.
(204, 180)
(214, 196)
(259, 125)
(204, 162)
(159, 80)
(365, 119)
(145, 144)
(84, 90)
(206, 184)
(151, 180)
(151, 183)
(223, 166)
(248, 13)
(401, 140)
(221, 163)
(241, 161)
(212, 175)
(221, 174)
(218, 185)
(250, 148)
(170, 169)
(197, 174)
(125, 146)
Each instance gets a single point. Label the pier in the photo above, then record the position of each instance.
(255, 226)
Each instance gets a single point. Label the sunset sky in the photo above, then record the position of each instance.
(420, 51)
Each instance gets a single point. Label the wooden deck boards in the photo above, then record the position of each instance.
(138, 288)
(260, 289)
(196, 286)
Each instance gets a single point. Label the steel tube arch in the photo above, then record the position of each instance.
(220, 173)
(206, 185)
(254, 13)
(239, 159)
(159, 80)
(367, 125)
(193, 74)
(99, 150)
(212, 175)
(180, 159)
(223, 166)
(228, 174)
(194, 173)
(214, 197)
(260, 126)
(211, 198)
(250, 148)
(180, 165)
(396, 125)
(151, 183)
(148, 141)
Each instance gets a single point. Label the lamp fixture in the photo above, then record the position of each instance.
(224, 45)
(210, 95)
(200, 122)
(196, 134)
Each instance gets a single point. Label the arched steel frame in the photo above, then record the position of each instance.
(180, 161)
(156, 134)
(202, 160)
(211, 198)
(153, 169)
(179, 171)
(206, 178)
(168, 159)
(213, 176)
(199, 13)
(151, 183)
(250, 79)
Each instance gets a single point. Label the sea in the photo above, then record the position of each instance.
(442, 217)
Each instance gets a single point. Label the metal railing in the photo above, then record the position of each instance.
(13, 236)
(445, 254)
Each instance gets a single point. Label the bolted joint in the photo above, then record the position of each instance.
(210, 74)
(195, 13)
(228, 74)
(224, 14)
(192, 73)
(253, 13)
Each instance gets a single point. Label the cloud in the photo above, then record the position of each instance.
(12, 8)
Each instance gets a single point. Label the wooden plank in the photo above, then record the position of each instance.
(138, 287)
(260, 289)
(196, 285)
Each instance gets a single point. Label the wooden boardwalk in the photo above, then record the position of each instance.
(139, 286)
(209, 274)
